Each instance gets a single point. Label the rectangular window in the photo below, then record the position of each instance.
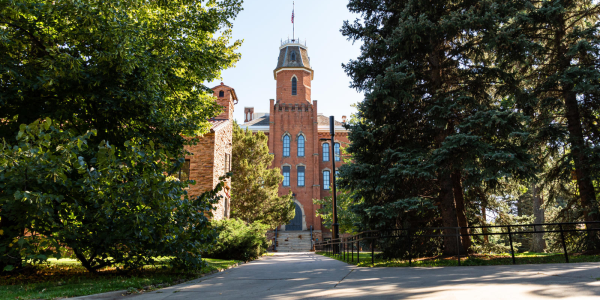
(300, 176)
(326, 180)
(336, 150)
(184, 172)
(286, 175)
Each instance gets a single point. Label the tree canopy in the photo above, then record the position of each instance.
(132, 73)
(464, 101)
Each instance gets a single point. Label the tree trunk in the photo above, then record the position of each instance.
(486, 238)
(11, 230)
(461, 211)
(448, 210)
(538, 243)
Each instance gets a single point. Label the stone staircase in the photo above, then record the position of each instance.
(293, 241)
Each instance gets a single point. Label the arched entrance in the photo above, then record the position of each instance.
(296, 222)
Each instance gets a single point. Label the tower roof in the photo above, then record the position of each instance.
(293, 55)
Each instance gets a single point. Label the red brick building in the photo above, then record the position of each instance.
(295, 129)
(211, 156)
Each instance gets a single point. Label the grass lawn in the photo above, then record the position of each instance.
(67, 278)
(473, 260)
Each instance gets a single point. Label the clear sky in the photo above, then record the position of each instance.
(263, 24)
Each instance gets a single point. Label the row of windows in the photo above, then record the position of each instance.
(301, 176)
(286, 148)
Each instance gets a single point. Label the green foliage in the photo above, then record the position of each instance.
(553, 50)
(254, 185)
(115, 208)
(238, 240)
(127, 76)
(348, 219)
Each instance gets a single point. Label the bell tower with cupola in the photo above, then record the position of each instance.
(293, 73)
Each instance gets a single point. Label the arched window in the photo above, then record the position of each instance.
(294, 84)
(336, 150)
(286, 145)
(293, 55)
(221, 94)
(325, 152)
(301, 146)
(326, 180)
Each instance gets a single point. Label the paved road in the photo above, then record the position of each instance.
(306, 276)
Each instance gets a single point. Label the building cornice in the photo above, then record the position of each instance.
(311, 71)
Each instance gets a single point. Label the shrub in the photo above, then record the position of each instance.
(238, 240)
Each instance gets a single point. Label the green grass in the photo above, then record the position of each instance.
(473, 260)
(67, 278)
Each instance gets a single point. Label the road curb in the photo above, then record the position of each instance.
(125, 293)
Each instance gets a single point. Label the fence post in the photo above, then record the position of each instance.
(458, 244)
(409, 248)
(512, 250)
(373, 251)
(357, 253)
(562, 237)
(352, 249)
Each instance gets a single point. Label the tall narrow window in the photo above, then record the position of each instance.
(286, 145)
(325, 152)
(301, 145)
(294, 84)
(326, 180)
(286, 175)
(293, 55)
(336, 150)
(221, 94)
(300, 176)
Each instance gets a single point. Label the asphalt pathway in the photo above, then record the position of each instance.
(311, 276)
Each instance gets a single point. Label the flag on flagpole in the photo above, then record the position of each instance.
(292, 16)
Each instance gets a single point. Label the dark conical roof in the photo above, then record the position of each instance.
(293, 54)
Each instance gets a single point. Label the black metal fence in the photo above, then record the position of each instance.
(408, 242)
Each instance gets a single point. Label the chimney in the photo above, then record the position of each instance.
(227, 98)
(248, 114)
(343, 119)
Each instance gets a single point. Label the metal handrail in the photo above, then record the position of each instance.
(311, 237)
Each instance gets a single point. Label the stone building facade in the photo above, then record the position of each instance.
(295, 130)
(210, 158)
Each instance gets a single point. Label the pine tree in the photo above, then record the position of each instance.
(555, 46)
(254, 186)
(435, 120)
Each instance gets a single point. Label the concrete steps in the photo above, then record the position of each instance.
(293, 241)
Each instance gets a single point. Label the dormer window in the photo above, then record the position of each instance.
(293, 55)
(221, 94)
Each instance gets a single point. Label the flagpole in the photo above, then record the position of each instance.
(293, 24)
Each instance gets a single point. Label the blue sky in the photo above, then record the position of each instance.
(263, 24)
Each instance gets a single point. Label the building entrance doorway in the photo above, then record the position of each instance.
(296, 222)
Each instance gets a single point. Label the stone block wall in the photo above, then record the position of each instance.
(207, 165)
